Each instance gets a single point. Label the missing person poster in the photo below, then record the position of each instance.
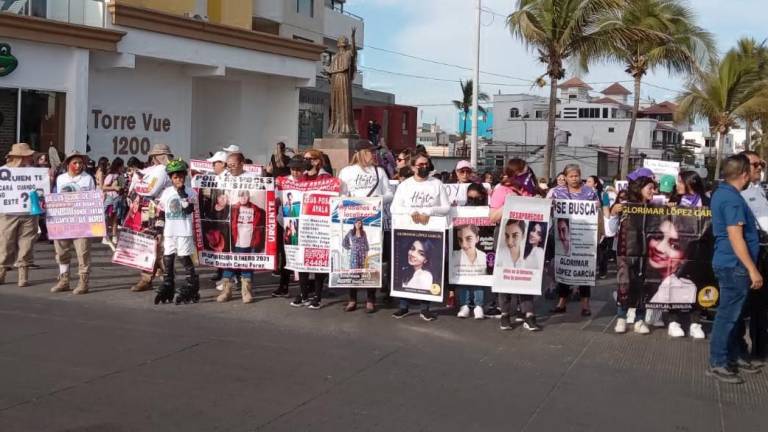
(418, 255)
(665, 257)
(237, 228)
(135, 249)
(204, 167)
(457, 192)
(356, 242)
(576, 231)
(17, 183)
(473, 247)
(74, 215)
(520, 246)
(305, 209)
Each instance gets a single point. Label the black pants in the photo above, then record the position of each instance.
(563, 291)
(604, 250)
(370, 294)
(755, 308)
(307, 286)
(285, 274)
(386, 264)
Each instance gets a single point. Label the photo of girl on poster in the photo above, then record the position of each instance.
(356, 243)
(534, 247)
(418, 262)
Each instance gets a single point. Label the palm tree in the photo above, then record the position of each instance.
(725, 93)
(561, 30)
(757, 52)
(685, 48)
(465, 104)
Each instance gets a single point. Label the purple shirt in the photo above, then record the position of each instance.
(585, 194)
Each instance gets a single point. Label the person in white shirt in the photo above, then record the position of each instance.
(177, 205)
(362, 178)
(145, 187)
(74, 180)
(420, 197)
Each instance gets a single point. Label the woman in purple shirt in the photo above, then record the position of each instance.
(573, 190)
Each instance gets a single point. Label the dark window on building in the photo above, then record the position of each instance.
(611, 130)
(589, 112)
(614, 111)
(514, 113)
(539, 114)
(605, 112)
(305, 7)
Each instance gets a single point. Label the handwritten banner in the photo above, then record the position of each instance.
(74, 215)
(16, 185)
(136, 250)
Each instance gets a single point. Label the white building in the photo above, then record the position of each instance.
(321, 22)
(589, 130)
(122, 78)
(704, 145)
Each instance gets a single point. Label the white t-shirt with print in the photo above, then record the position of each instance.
(427, 197)
(177, 223)
(81, 182)
(244, 223)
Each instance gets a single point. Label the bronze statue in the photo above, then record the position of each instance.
(341, 72)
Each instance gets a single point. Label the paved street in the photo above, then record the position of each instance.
(113, 361)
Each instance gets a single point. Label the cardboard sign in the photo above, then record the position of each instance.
(16, 185)
(74, 215)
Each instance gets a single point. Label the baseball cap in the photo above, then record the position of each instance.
(219, 156)
(667, 183)
(363, 145)
(462, 164)
(640, 173)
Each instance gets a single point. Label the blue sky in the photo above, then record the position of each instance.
(442, 30)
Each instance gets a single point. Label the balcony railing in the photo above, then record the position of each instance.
(339, 7)
(84, 12)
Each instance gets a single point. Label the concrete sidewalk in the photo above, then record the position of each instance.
(113, 361)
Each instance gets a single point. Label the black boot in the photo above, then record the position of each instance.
(166, 289)
(190, 292)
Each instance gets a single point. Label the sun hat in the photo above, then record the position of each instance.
(21, 150)
(232, 148)
(75, 154)
(160, 149)
(667, 183)
(219, 156)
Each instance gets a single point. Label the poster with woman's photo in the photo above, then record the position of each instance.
(304, 211)
(418, 257)
(356, 242)
(576, 229)
(473, 247)
(237, 227)
(665, 257)
(520, 246)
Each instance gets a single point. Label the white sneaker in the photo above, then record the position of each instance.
(696, 332)
(621, 325)
(631, 312)
(463, 312)
(479, 313)
(641, 328)
(674, 330)
(219, 286)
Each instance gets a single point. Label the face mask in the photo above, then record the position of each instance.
(475, 201)
(423, 172)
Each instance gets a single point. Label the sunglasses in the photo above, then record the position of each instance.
(757, 165)
(422, 165)
(465, 171)
(310, 159)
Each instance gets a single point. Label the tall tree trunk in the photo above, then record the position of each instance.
(631, 132)
(718, 153)
(748, 144)
(550, 148)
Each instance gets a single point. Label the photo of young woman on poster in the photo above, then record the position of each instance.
(666, 256)
(563, 246)
(219, 206)
(510, 250)
(469, 260)
(424, 266)
(534, 247)
(356, 243)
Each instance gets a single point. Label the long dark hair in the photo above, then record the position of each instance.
(528, 246)
(103, 165)
(693, 182)
(408, 271)
(116, 166)
(599, 185)
(634, 194)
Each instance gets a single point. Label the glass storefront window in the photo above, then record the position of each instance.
(9, 99)
(32, 116)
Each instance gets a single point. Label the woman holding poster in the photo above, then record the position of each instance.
(519, 181)
(315, 160)
(362, 178)
(285, 227)
(419, 197)
(573, 190)
(74, 180)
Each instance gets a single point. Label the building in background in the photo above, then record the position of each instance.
(397, 122)
(116, 77)
(484, 123)
(320, 22)
(590, 130)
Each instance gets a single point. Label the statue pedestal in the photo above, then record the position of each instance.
(339, 150)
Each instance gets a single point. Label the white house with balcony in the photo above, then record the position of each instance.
(113, 78)
(590, 130)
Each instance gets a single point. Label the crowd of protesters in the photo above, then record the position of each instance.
(737, 344)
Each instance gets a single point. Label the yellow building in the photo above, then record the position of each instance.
(235, 13)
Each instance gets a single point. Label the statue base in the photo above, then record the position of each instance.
(339, 150)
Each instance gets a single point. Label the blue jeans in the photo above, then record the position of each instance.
(230, 273)
(723, 343)
(471, 295)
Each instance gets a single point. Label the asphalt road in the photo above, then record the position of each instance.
(113, 361)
